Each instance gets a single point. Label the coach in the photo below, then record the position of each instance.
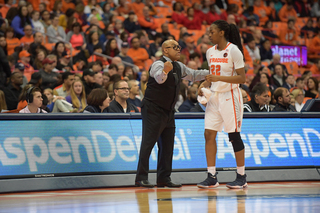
(157, 110)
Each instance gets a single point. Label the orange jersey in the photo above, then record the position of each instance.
(26, 40)
(288, 36)
(284, 14)
(11, 44)
(138, 56)
(262, 10)
(315, 44)
(315, 70)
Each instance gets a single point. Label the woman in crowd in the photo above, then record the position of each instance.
(93, 40)
(177, 13)
(46, 21)
(41, 55)
(299, 98)
(98, 100)
(20, 21)
(76, 37)
(191, 21)
(313, 86)
(111, 48)
(77, 96)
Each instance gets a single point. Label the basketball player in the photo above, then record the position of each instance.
(225, 107)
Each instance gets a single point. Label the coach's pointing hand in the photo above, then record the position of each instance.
(167, 67)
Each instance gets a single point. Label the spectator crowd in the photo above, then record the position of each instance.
(94, 55)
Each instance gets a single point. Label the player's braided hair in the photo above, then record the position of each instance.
(231, 33)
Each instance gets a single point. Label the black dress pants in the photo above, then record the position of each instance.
(158, 125)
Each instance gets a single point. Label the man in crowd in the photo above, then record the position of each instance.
(13, 90)
(191, 100)
(64, 89)
(134, 91)
(283, 99)
(120, 104)
(49, 78)
(89, 81)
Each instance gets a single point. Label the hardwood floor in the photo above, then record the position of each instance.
(268, 197)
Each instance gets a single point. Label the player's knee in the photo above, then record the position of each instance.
(236, 141)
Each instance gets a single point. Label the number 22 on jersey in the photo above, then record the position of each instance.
(215, 69)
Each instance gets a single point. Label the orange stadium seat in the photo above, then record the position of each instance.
(163, 12)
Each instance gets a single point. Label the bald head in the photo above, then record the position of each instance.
(171, 49)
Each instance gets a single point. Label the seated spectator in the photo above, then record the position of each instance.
(266, 51)
(147, 22)
(259, 99)
(314, 46)
(265, 79)
(307, 31)
(289, 36)
(38, 26)
(212, 15)
(275, 61)
(143, 82)
(3, 44)
(190, 101)
(34, 99)
(56, 32)
(313, 86)
(165, 32)
(41, 55)
(106, 79)
(279, 76)
(67, 4)
(37, 45)
(20, 21)
(290, 82)
(315, 10)
(252, 18)
(283, 100)
(13, 90)
(3, 104)
(155, 46)
(93, 40)
(112, 70)
(49, 94)
(5, 7)
(252, 48)
(56, 9)
(133, 93)
(123, 8)
(261, 11)
(92, 4)
(45, 19)
(299, 98)
(64, 63)
(98, 101)
(12, 42)
(98, 78)
(315, 69)
(267, 31)
(299, 85)
(59, 49)
(24, 57)
(190, 21)
(89, 81)
(76, 37)
(198, 12)
(49, 78)
(131, 23)
(137, 7)
(77, 96)
(177, 14)
(138, 54)
(190, 49)
(36, 80)
(120, 104)
(19, 67)
(287, 12)
(64, 89)
(111, 49)
(123, 53)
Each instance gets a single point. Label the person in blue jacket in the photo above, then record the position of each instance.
(20, 21)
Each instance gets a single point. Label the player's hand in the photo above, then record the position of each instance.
(204, 84)
(167, 67)
(212, 78)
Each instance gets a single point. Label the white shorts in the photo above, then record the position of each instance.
(224, 109)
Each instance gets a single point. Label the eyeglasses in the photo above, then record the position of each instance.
(124, 88)
(175, 47)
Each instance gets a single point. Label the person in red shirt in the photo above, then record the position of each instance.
(212, 16)
(191, 21)
(177, 14)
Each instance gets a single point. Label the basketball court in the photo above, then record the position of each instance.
(262, 197)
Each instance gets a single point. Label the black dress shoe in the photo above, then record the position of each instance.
(144, 183)
(169, 184)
